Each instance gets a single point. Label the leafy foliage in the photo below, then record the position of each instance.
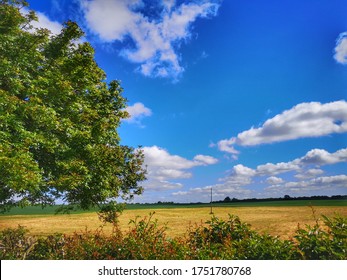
(15, 243)
(59, 119)
(216, 239)
(233, 239)
(316, 243)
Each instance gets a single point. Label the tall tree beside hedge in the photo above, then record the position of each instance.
(59, 119)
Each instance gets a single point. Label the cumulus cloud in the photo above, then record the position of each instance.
(219, 192)
(274, 180)
(44, 21)
(326, 183)
(278, 168)
(137, 112)
(111, 19)
(337, 181)
(156, 39)
(240, 176)
(314, 157)
(163, 167)
(303, 120)
(308, 178)
(241, 170)
(309, 173)
(341, 48)
(205, 160)
(226, 145)
(322, 157)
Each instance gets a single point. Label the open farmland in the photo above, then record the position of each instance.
(275, 220)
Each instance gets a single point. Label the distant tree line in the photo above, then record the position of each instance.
(231, 200)
(286, 197)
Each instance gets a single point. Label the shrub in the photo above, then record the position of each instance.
(147, 240)
(49, 248)
(15, 243)
(216, 239)
(233, 239)
(315, 243)
(144, 240)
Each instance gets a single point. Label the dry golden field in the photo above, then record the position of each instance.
(282, 221)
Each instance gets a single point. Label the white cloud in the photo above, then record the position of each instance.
(227, 146)
(238, 176)
(315, 157)
(303, 120)
(156, 40)
(326, 183)
(44, 22)
(241, 170)
(274, 180)
(162, 167)
(337, 181)
(205, 160)
(241, 176)
(309, 173)
(161, 185)
(278, 168)
(322, 157)
(168, 4)
(341, 48)
(219, 192)
(240, 179)
(137, 112)
(159, 157)
(111, 19)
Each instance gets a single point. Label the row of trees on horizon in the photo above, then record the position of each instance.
(233, 200)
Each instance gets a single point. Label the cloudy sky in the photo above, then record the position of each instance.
(248, 98)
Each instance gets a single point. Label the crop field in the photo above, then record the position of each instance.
(281, 218)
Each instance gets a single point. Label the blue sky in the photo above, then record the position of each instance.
(245, 97)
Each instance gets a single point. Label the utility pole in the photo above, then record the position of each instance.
(211, 212)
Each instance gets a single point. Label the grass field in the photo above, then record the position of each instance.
(277, 219)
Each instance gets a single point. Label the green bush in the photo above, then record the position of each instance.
(49, 248)
(314, 243)
(144, 240)
(216, 239)
(15, 244)
(233, 239)
(147, 240)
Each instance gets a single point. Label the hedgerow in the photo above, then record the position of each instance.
(216, 239)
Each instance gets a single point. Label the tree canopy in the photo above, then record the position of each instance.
(59, 119)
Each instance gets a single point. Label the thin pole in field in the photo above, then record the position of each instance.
(211, 212)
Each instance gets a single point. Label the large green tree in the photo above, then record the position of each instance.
(59, 119)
